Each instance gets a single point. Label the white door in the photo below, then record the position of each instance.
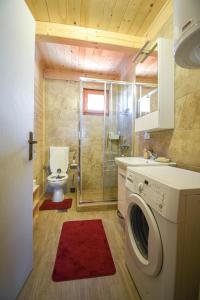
(143, 236)
(17, 42)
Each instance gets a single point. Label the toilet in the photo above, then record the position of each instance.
(57, 180)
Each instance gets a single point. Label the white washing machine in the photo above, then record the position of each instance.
(123, 163)
(163, 232)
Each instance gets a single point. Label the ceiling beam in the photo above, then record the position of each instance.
(87, 37)
(75, 76)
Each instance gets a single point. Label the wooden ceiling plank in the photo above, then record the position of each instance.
(52, 52)
(87, 57)
(124, 16)
(57, 10)
(60, 56)
(39, 10)
(74, 57)
(144, 9)
(75, 35)
(129, 16)
(117, 15)
(83, 11)
(95, 63)
(74, 15)
(164, 14)
(67, 56)
(125, 60)
(44, 54)
(107, 13)
(94, 14)
(151, 16)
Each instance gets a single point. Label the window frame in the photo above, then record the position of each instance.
(86, 92)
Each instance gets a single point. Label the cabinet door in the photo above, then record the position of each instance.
(121, 191)
(155, 102)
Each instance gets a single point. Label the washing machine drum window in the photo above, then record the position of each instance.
(143, 236)
(140, 229)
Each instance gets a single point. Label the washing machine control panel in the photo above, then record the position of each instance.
(153, 193)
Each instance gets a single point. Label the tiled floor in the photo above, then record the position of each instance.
(39, 285)
(106, 194)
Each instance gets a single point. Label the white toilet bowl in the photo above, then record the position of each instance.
(59, 161)
(57, 183)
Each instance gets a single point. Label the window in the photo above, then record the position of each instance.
(93, 102)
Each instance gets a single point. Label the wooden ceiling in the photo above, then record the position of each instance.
(149, 68)
(124, 16)
(123, 21)
(82, 59)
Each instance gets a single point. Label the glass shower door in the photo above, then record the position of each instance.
(118, 124)
(106, 118)
(91, 144)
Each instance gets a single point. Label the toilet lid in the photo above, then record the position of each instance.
(57, 178)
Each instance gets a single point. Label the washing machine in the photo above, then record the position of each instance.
(123, 163)
(162, 232)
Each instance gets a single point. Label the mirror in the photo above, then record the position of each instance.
(147, 83)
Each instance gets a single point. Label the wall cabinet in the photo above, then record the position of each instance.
(155, 109)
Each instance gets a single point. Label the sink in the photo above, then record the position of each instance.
(124, 162)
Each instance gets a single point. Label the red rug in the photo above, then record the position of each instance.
(50, 205)
(83, 252)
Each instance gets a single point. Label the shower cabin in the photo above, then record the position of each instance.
(105, 132)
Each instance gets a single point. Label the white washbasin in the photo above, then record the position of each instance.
(124, 162)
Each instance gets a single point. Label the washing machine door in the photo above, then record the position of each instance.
(143, 236)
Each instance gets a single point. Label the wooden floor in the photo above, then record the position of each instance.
(39, 285)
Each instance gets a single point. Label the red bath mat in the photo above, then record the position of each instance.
(83, 252)
(50, 205)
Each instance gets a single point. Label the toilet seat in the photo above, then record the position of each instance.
(54, 177)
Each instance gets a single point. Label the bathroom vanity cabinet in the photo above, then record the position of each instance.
(155, 108)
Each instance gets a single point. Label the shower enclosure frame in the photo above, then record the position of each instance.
(105, 83)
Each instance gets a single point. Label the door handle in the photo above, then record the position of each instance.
(31, 143)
